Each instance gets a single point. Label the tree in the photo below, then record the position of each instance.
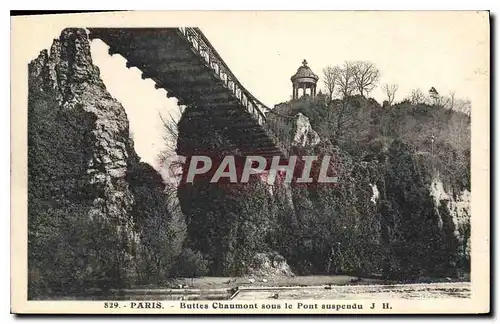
(366, 76)
(390, 90)
(416, 97)
(463, 105)
(330, 78)
(191, 264)
(346, 83)
(346, 86)
(451, 100)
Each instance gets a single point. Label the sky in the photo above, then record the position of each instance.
(445, 50)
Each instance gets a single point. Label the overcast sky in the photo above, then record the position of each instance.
(448, 51)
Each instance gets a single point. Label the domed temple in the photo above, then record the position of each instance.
(304, 79)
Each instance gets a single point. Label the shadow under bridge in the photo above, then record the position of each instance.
(184, 63)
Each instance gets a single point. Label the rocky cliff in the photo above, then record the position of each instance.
(228, 223)
(98, 217)
(398, 210)
(83, 219)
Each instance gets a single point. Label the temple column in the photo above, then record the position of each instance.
(304, 79)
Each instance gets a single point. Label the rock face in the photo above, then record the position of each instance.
(228, 223)
(419, 225)
(269, 264)
(68, 76)
(79, 154)
(304, 134)
(393, 212)
(100, 218)
(453, 211)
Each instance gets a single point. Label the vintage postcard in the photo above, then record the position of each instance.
(251, 162)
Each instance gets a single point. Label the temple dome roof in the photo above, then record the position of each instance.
(304, 72)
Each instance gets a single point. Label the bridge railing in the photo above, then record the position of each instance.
(203, 47)
(282, 128)
(277, 126)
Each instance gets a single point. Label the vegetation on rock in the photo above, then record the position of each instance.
(97, 217)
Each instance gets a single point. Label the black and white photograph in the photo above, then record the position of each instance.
(249, 162)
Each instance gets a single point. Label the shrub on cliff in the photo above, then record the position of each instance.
(190, 264)
(227, 222)
(70, 254)
(344, 229)
(160, 234)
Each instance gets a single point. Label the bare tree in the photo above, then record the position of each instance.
(346, 84)
(416, 97)
(330, 77)
(459, 125)
(390, 91)
(442, 101)
(350, 77)
(346, 87)
(463, 105)
(366, 76)
(451, 100)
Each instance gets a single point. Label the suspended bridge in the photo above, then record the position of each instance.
(184, 63)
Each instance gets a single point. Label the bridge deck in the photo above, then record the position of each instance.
(184, 63)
